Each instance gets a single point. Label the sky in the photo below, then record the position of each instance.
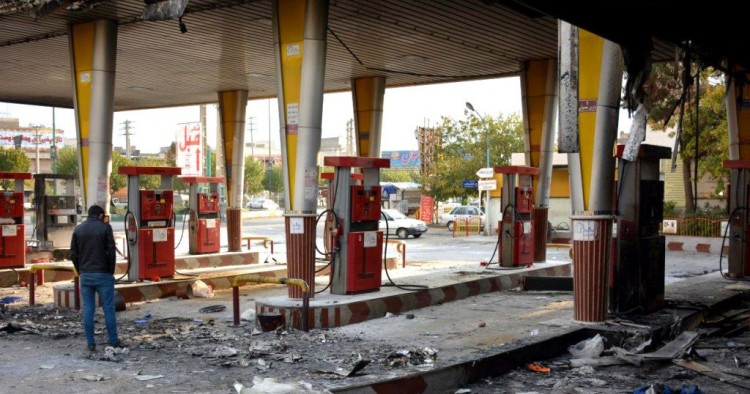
(404, 109)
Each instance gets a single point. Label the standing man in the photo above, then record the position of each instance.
(92, 250)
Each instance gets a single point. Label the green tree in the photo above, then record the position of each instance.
(150, 181)
(463, 151)
(171, 161)
(67, 161)
(399, 175)
(273, 180)
(664, 91)
(254, 172)
(13, 160)
(118, 181)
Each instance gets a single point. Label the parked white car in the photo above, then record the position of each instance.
(462, 212)
(400, 225)
(262, 203)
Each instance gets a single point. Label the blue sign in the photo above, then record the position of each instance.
(470, 183)
(402, 158)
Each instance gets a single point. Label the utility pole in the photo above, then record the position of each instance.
(53, 148)
(127, 126)
(37, 148)
(251, 126)
(350, 137)
(204, 143)
(269, 165)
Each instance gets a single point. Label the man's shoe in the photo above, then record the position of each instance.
(92, 348)
(119, 344)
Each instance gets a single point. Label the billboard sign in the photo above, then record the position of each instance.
(189, 148)
(27, 139)
(402, 158)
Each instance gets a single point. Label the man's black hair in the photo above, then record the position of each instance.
(95, 211)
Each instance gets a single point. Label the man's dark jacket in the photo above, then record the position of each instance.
(92, 248)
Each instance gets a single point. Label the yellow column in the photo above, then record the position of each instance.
(534, 100)
(589, 68)
(367, 95)
(93, 48)
(289, 22)
(232, 108)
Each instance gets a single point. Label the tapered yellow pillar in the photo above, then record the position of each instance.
(591, 74)
(539, 84)
(368, 95)
(93, 51)
(300, 29)
(232, 108)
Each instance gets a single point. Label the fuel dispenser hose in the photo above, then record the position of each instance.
(128, 242)
(407, 287)
(497, 245)
(182, 233)
(174, 220)
(329, 256)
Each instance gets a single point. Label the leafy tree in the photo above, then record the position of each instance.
(13, 160)
(118, 181)
(254, 173)
(664, 92)
(149, 181)
(398, 175)
(67, 161)
(273, 180)
(171, 160)
(463, 151)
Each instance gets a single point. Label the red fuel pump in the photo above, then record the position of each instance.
(13, 232)
(205, 221)
(149, 224)
(358, 244)
(328, 193)
(516, 227)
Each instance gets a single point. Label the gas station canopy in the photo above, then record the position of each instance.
(228, 45)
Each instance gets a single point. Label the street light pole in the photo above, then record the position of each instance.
(487, 161)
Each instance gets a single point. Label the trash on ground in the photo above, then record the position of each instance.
(675, 348)
(92, 377)
(269, 385)
(535, 367)
(341, 371)
(713, 371)
(200, 289)
(221, 352)
(213, 309)
(596, 362)
(248, 315)
(46, 366)
(144, 378)
(406, 357)
(589, 348)
(658, 388)
(10, 299)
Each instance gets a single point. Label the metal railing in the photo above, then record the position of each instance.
(694, 227)
(467, 225)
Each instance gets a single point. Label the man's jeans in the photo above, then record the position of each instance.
(104, 285)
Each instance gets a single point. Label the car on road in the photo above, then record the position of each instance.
(463, 212)
(262, 203)
(399, 224)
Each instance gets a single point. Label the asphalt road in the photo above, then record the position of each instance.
(436, 246)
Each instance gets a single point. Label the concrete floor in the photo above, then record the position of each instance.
(474, 331)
